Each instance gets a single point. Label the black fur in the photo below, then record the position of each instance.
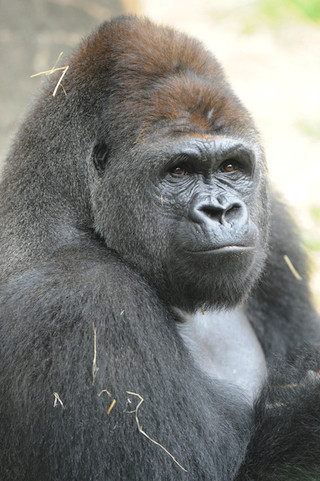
(100, 157)
(104, 200)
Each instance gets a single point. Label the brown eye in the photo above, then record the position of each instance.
(179, 170)
(230, 166)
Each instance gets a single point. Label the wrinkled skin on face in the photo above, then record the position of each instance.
(204, 233)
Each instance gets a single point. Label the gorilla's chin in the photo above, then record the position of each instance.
(219, 278)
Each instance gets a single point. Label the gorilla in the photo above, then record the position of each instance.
(156, 321)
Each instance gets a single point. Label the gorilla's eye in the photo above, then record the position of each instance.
(179, 170)
(230, 166)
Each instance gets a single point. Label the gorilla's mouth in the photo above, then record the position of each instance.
(228, 249)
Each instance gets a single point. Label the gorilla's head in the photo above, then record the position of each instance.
(160, 159)
(179, 187)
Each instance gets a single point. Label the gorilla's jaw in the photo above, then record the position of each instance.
(219, 279)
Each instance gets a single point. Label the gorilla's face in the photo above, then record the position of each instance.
(191, 216)
(215, 243)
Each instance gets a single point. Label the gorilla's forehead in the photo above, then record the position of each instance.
(203, 146)
(191, 103)
(156, 74)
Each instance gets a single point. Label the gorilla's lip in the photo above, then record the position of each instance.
(228, 249)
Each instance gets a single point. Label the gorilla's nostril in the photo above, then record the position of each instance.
(233, 213)
(214, 213)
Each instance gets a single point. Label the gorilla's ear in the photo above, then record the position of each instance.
(100, 156)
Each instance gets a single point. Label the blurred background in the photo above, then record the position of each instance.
(270, 50)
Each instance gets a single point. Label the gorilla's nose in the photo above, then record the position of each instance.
(228, 213)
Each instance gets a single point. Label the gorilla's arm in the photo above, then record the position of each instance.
(280, 307)
(135, 348)
(285, 443)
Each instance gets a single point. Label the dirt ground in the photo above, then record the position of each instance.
(273, 67)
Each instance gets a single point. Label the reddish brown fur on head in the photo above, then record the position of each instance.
(157, 75)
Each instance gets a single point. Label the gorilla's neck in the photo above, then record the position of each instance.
(224, 346)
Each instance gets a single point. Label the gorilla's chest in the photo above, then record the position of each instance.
(225, 346)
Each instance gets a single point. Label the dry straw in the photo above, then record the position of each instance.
(145, 434)
(292, 268)
(53, 70)
(95, 369)
(112, 403)
(57, 400)
(94, 373)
